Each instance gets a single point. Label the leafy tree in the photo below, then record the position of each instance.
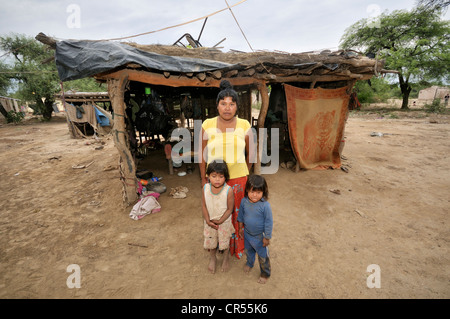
(34, 70)
(414, 43)
(84, 85)
(433, 4)
(4, 80)
(377, 90)
(37, 81)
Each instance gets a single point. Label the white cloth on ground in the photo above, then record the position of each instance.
(145, 206)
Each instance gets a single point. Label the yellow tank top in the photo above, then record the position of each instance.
(228, 146)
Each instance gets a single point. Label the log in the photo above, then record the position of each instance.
(231, 73)
(127, 167)
(310, 69)
(41, 37)
(216, 74)
(349, 74)
(134, 66)
(365, 69)
(85, 95)
(201, 76)
(250, 72)
(159, 79)
(261, 119)
(389, 71)
(307, 78)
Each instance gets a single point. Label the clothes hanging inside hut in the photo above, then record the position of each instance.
(81, 114)
(102, 119)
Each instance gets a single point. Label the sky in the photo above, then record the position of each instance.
(284, 25)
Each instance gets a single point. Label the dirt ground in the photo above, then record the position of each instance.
(390, 209)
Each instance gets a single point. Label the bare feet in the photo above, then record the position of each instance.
(226, 261)
(246, 269)
(212, 265)
(262, 280)
(212, 261)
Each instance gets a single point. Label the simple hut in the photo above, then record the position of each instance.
(86, 112)
(309, 91)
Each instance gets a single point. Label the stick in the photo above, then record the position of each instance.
(138, 245)
(83, 166)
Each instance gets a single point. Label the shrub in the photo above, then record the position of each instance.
(435, 107)
(379, 90)
(14, 117)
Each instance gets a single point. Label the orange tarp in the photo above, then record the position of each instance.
(316, 119)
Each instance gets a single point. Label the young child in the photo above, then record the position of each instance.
(256, 224)
(217, 206)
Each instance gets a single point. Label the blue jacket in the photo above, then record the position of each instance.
(257, 217)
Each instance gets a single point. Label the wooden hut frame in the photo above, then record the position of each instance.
(249, 70)
(83, 98)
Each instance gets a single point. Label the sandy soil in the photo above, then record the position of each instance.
(390, 209)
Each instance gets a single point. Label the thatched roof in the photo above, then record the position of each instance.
(274, 66)
(103, 59)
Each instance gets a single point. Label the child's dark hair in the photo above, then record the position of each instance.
(226, 90)
(257, 183)
(218, 167)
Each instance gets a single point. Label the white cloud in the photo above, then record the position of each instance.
(287, 25)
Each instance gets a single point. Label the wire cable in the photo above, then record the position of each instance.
(174, 26)
(239, 26)
(262, 64)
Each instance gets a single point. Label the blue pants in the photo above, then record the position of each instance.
(253, 246)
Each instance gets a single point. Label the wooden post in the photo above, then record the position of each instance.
(69, 122)
(127, 167)
(246, 102)
(261, 119)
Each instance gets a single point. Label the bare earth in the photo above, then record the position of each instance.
(390, 209)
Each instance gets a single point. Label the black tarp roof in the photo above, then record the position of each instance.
(76, 59)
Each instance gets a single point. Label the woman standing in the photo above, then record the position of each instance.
(229, 138)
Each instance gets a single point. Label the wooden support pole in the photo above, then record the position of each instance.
(127, 167)
(261, 119)
(70, 124)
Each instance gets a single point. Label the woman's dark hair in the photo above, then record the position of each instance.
(226, 90)
(219, 168)
(257, 183)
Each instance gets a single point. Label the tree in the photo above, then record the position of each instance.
(433, 4)
(34, 70)
(414, 43)
(4, 80)
(84, 85)
(377, 90)
(37, 81)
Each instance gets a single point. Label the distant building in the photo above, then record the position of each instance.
(434, 92)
